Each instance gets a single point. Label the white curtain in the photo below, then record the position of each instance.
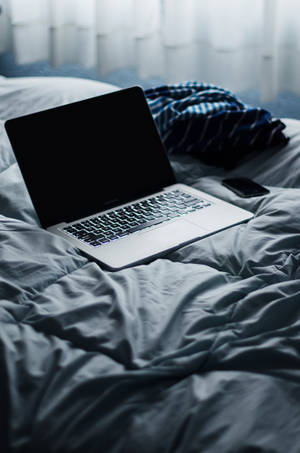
(238, 44)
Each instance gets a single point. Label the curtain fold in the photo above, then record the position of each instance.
(237, 44)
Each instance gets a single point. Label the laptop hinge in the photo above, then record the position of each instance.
(115, 203)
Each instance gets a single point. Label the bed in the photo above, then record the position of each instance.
(197, 351)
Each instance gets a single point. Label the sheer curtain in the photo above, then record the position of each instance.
(238, 44)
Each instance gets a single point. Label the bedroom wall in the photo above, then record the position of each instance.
(123, 78)
(287, 105)
(236, 45)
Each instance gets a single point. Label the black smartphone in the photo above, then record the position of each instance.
(245, 187)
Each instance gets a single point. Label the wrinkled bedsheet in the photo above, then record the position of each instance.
(198, 351)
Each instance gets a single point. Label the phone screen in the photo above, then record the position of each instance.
(245, 187)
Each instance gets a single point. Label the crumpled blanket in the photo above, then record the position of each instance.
(209, 121)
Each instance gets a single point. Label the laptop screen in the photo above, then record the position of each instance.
(88, 156)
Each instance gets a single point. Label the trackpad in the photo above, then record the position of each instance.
(172, 234)
(149, 243)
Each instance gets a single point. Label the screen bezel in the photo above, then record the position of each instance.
(22, 130)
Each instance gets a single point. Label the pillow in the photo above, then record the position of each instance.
(20, 96)
(14, 198)
(6, 155)
(23, 95)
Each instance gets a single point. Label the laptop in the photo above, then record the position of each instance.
(98, 176)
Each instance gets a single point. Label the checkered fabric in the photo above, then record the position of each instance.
(211, 122)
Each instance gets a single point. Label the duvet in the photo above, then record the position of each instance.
(198, 351)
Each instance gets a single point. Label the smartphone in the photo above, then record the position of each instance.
(245, 187)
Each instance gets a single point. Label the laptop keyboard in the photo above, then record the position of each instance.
(116, 224)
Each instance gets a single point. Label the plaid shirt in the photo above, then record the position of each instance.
(211, 122)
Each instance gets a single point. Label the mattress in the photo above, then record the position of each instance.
(197, 351)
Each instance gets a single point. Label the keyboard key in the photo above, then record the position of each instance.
(147, 224)
(129, 219)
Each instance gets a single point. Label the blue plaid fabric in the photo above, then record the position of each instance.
(211, 122)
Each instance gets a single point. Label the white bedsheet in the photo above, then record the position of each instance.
(196, 351)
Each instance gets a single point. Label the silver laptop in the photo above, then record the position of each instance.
(98, 175)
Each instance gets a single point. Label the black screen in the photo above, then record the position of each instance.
(87, 156)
